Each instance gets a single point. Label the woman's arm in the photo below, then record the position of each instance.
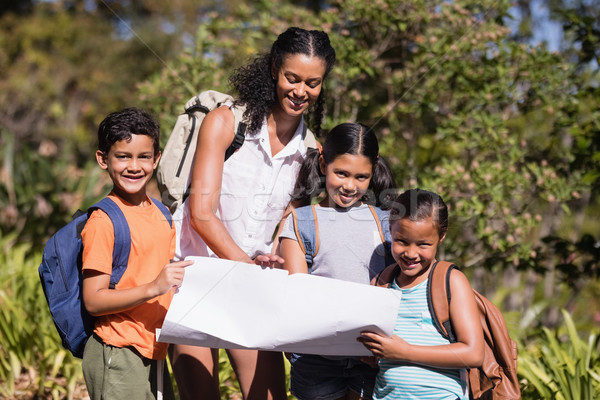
(467, 352)
(295, 262)
(100, 300)
(215, 136)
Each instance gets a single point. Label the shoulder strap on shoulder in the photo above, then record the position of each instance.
(122, 244)
(164, 210)
(209, 100)
(439, 296)
(386, 276)
(239, 129)
(306, 227)
(377, 216)
(382, 219)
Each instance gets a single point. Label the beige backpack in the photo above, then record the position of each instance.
(176, 162)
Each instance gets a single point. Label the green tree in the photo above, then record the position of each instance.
(490, 123)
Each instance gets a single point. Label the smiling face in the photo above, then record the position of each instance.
(414, 246)
(347, 179)
(130, 165)
(299, 82)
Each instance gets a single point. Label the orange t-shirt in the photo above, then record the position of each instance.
(152, 246)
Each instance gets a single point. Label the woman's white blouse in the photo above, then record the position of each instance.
(255, 191)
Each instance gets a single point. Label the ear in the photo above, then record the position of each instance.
(274, 73)
(101, 159)
(156, 160)
(322, 165)
(442, 238)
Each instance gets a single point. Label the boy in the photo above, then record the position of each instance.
(121, 359)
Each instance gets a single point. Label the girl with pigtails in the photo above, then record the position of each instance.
(355, 184)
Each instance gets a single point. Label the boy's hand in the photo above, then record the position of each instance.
(171, 276)
(390, 348)
(268, 260)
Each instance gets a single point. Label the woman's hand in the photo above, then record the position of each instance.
(268, 260)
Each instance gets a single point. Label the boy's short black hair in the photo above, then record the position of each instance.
(120, 125)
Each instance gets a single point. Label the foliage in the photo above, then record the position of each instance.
(506, 131)
(502, 130)
(62, 70)
(29, 343)
(561, 365)
(40, 192)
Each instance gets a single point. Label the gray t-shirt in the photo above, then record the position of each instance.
(350, 245)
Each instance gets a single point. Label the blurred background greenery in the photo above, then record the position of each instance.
(492, 103)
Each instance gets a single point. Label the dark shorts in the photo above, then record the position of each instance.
(318, 378)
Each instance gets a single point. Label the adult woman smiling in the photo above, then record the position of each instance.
(235, 206)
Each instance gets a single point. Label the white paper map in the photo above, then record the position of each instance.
(227, 304)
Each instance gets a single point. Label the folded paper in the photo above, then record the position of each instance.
(227, 304)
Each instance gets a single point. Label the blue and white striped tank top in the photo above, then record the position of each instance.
(399, 380)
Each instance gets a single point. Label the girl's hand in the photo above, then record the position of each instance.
(389, 348)
(171, 276)
(268, 260)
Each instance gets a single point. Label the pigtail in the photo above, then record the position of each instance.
(382, 186)
(310, 182)
(315, 115)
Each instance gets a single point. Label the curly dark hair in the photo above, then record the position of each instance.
(120, 125)
(256, 87)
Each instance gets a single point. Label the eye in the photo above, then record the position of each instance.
(313, 85)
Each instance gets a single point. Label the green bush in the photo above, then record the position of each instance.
(561, 365)
(29, 344)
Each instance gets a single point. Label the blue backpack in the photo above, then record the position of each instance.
(60, 272)
(306, 227)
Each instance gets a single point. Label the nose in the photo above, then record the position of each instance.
(411, 252)
(349, 185)
(299, 89)
(133, 164)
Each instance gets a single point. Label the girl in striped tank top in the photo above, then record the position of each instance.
(417, 362)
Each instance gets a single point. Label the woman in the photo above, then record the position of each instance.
(235, 206)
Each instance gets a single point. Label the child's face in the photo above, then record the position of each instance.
(299, 82)
(130, 166)
(347, 179)
(414, 246)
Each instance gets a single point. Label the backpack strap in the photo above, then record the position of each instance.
(239, 128)
(306, 227)
(164, 210)
(382, 219)
(377, 218)
(122, 244)
(386, 276)
(439, 297)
